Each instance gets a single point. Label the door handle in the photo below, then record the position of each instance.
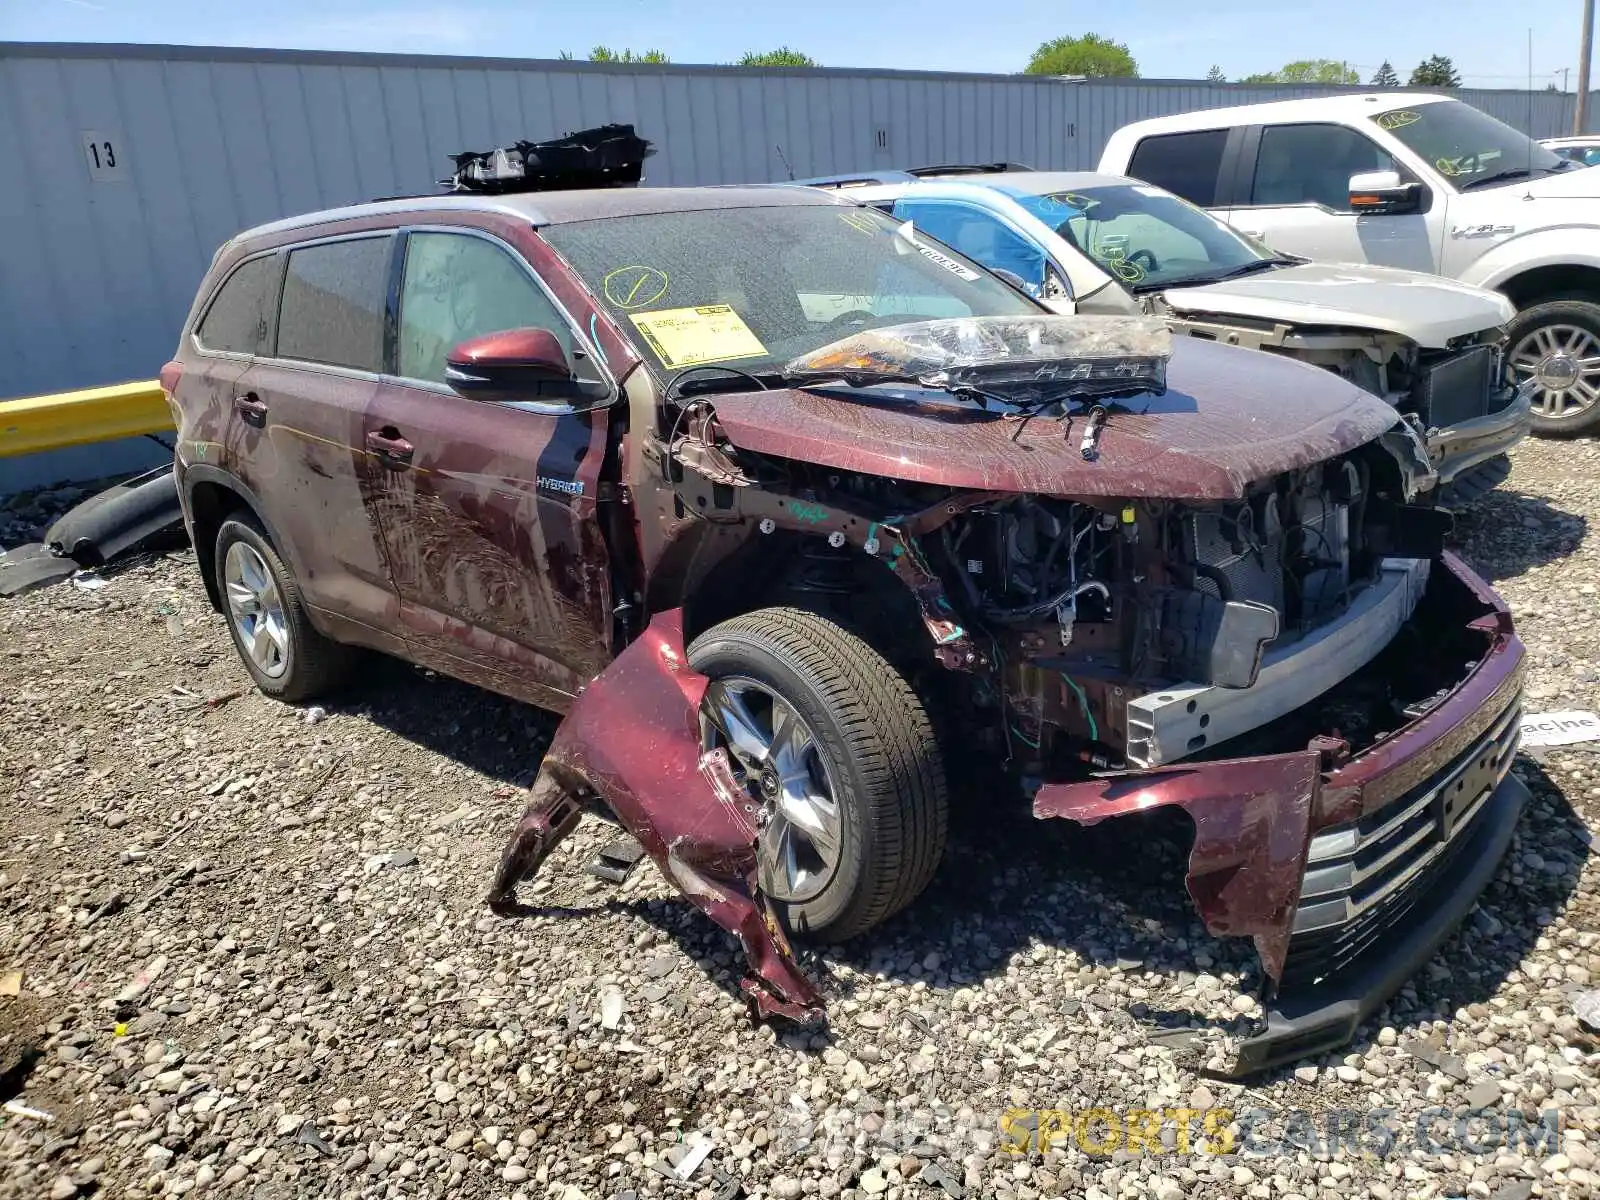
(390, 447)
(1258, 234)
(251, 410)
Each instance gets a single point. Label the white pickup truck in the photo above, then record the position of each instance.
(1407, 180)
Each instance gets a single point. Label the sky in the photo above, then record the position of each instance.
(1168, 38)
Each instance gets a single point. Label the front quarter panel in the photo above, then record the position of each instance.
(1492, 253)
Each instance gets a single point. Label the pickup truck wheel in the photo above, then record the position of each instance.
(287, 658)
(1557, 344)
(838, 755)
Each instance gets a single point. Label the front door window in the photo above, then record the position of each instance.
(1312, 164)
(457, 287)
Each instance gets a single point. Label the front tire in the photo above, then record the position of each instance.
(1557, 344)
(288, 659)
(838, 752)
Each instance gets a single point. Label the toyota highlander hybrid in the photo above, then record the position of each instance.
(786, 507)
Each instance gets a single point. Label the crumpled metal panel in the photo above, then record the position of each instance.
(631, 743)
(1229, 417)
(1401, 761)
(1252, 825)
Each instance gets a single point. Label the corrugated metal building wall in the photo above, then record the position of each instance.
(129, 165)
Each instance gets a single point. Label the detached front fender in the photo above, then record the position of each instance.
(1252, 825)
(631, 742)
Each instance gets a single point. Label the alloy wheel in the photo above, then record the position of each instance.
(1564, 363)
(256, 609)
(777, 759)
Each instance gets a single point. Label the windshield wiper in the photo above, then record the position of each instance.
(1249, 268)
(1503, 176)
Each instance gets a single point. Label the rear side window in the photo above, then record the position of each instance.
(1312, 164)
(240, 318)
(333, 302)
(1186, 164)
(979, 235)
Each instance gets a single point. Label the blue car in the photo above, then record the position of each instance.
(1084, 242)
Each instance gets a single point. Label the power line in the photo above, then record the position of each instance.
(1580, 113)
(1523, 75)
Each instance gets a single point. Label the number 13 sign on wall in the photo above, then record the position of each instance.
(103, 154)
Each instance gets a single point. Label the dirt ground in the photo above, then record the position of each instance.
(255, 958)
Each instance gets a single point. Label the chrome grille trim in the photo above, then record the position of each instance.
(1343, 863)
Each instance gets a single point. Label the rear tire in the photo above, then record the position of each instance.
(868, 747)
(1551, 342)
(288, 659)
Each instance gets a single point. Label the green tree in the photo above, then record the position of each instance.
(1307, 70)
(607, 54)
(1437, 71)
(1215, 75)
(1090, 55)
(1316, 70)
(781, 57)
(1386, 76)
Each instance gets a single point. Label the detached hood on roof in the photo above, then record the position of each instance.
(1228, 417)
(1427, 309)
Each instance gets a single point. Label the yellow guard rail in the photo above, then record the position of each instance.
(101, 414)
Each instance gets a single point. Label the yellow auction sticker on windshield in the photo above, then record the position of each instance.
(687, 337)
(1397, 120)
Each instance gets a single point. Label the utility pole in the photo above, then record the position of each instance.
(1580, 111)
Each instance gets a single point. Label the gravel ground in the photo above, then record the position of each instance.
(25, 516)
(255, 959)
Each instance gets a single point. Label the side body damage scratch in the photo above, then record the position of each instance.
(633, 738)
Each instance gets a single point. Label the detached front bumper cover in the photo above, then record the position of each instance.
(631, 744)
(1254, 819)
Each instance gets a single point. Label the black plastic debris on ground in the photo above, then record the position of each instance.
(616, 860)
(137, 514)
(24, 568)
(117, 520)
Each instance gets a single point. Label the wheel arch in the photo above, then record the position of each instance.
(1553, 281)
(801, 570)
(210, 495)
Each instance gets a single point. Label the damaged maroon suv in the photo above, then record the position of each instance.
(785, 507)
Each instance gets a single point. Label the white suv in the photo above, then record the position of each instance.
(1407, 180)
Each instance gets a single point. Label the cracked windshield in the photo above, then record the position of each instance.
(756, 287)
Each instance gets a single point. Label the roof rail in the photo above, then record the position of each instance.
(605, 156)
(993, 168)
(860, 179)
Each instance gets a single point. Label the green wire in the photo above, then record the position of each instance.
(1094, 730)
(1025, 739)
